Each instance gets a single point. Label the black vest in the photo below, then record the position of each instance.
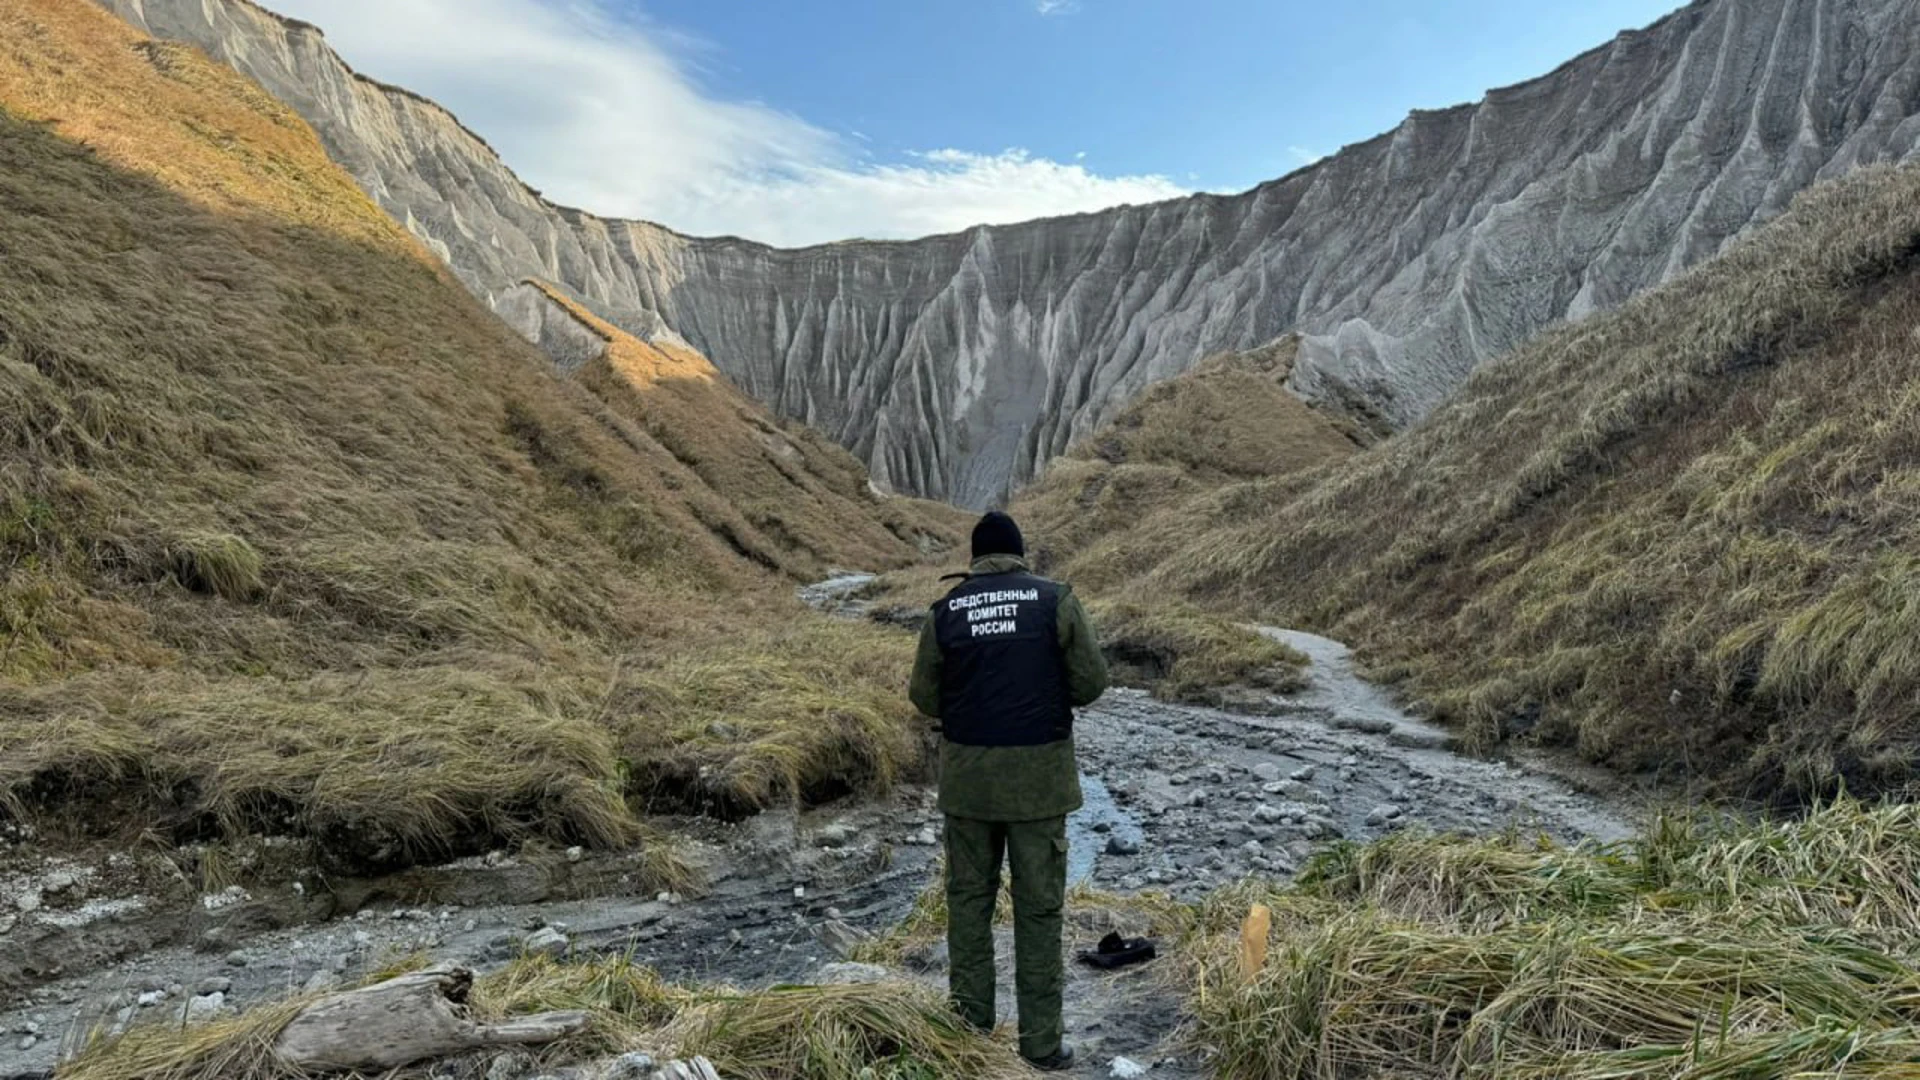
(1003, 681)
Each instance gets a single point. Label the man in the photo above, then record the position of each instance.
(1003, 662)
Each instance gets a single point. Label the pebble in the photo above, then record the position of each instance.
(1119, 845)
(837, 834)
(1303, 774)
(632, 1066)
(204, 1008)
(1268, 815)
(575, 854)
(1126, 1069)
(546, 942)
(218, 984)
(1267, 771)
(149, 998)
(1383, 814)
(924, 838)
(27, 1042)
(238, 958)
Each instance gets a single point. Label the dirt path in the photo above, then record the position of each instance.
(1180, 799)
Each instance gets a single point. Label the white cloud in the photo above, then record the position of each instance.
(597, 113)
(1057, 7)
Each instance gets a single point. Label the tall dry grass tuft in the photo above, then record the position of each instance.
(1707, 948)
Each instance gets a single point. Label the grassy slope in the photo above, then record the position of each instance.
(787, 495)
(1096, 513)
(1677, 536)
(295, 536)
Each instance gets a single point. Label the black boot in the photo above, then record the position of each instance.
(1058, 1061)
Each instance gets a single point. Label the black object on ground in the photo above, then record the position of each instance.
(1115, 951)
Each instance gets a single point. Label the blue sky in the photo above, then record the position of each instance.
(803, 122)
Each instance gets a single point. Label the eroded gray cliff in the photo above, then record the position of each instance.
(956, 366)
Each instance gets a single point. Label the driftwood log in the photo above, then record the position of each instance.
(411, 1018)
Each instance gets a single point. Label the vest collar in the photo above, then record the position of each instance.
(998, 564)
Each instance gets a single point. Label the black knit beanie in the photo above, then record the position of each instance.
(997, 535)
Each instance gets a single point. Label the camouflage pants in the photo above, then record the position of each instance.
(1036, 853)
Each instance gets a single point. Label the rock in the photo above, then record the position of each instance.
(1126, 1069)
(1382, 814)
(149, 998)
(840, 938)
(924, 838)
(238, 958)
(1252, 847)
(844, 974)
(836, 834)
(1176, 780)
(205, 1007)
(512, 1065)
(546, 942)
(576, 853)
(218, 984)
(1264, 770)
(27, 900)
(634, 1066)
(1267, 814)
(1303, 774)
(28, 1042)
(1102, 826)
(1121, 846)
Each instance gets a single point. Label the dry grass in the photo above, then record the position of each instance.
(889, 1031)
(1673, 537)
(1114, 505)
(1704, 950)
(296, 537)
(1185, 654)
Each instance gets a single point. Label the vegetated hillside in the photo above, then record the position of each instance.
(957, 366)
(783, 494)
(296, 536)
(1681, 536)
(1230, 419)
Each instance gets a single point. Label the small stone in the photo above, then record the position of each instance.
(546, 942)
(575, 854)
(362, 939)
(511, 1065)
(1176, 779)
(1266, 814)
(28, 1042)
(1303, 774)
(28, 901)
(218, 984)
(1102, 826)
(1120, 845)
(1349, 762)
(1252, 847)
(1266, 770)
(924, 838)
(149, 998)
(850, 974)
(735, 937)
(1381, 815)
(1126, 1069)
(633, 1066)
(206, 1007)
(837, 834)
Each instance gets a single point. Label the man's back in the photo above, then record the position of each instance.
(1004, 659)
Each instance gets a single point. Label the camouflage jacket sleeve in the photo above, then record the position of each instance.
(1086, 665)
(924, 690)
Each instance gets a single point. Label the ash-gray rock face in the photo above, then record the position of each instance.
(958, 365)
